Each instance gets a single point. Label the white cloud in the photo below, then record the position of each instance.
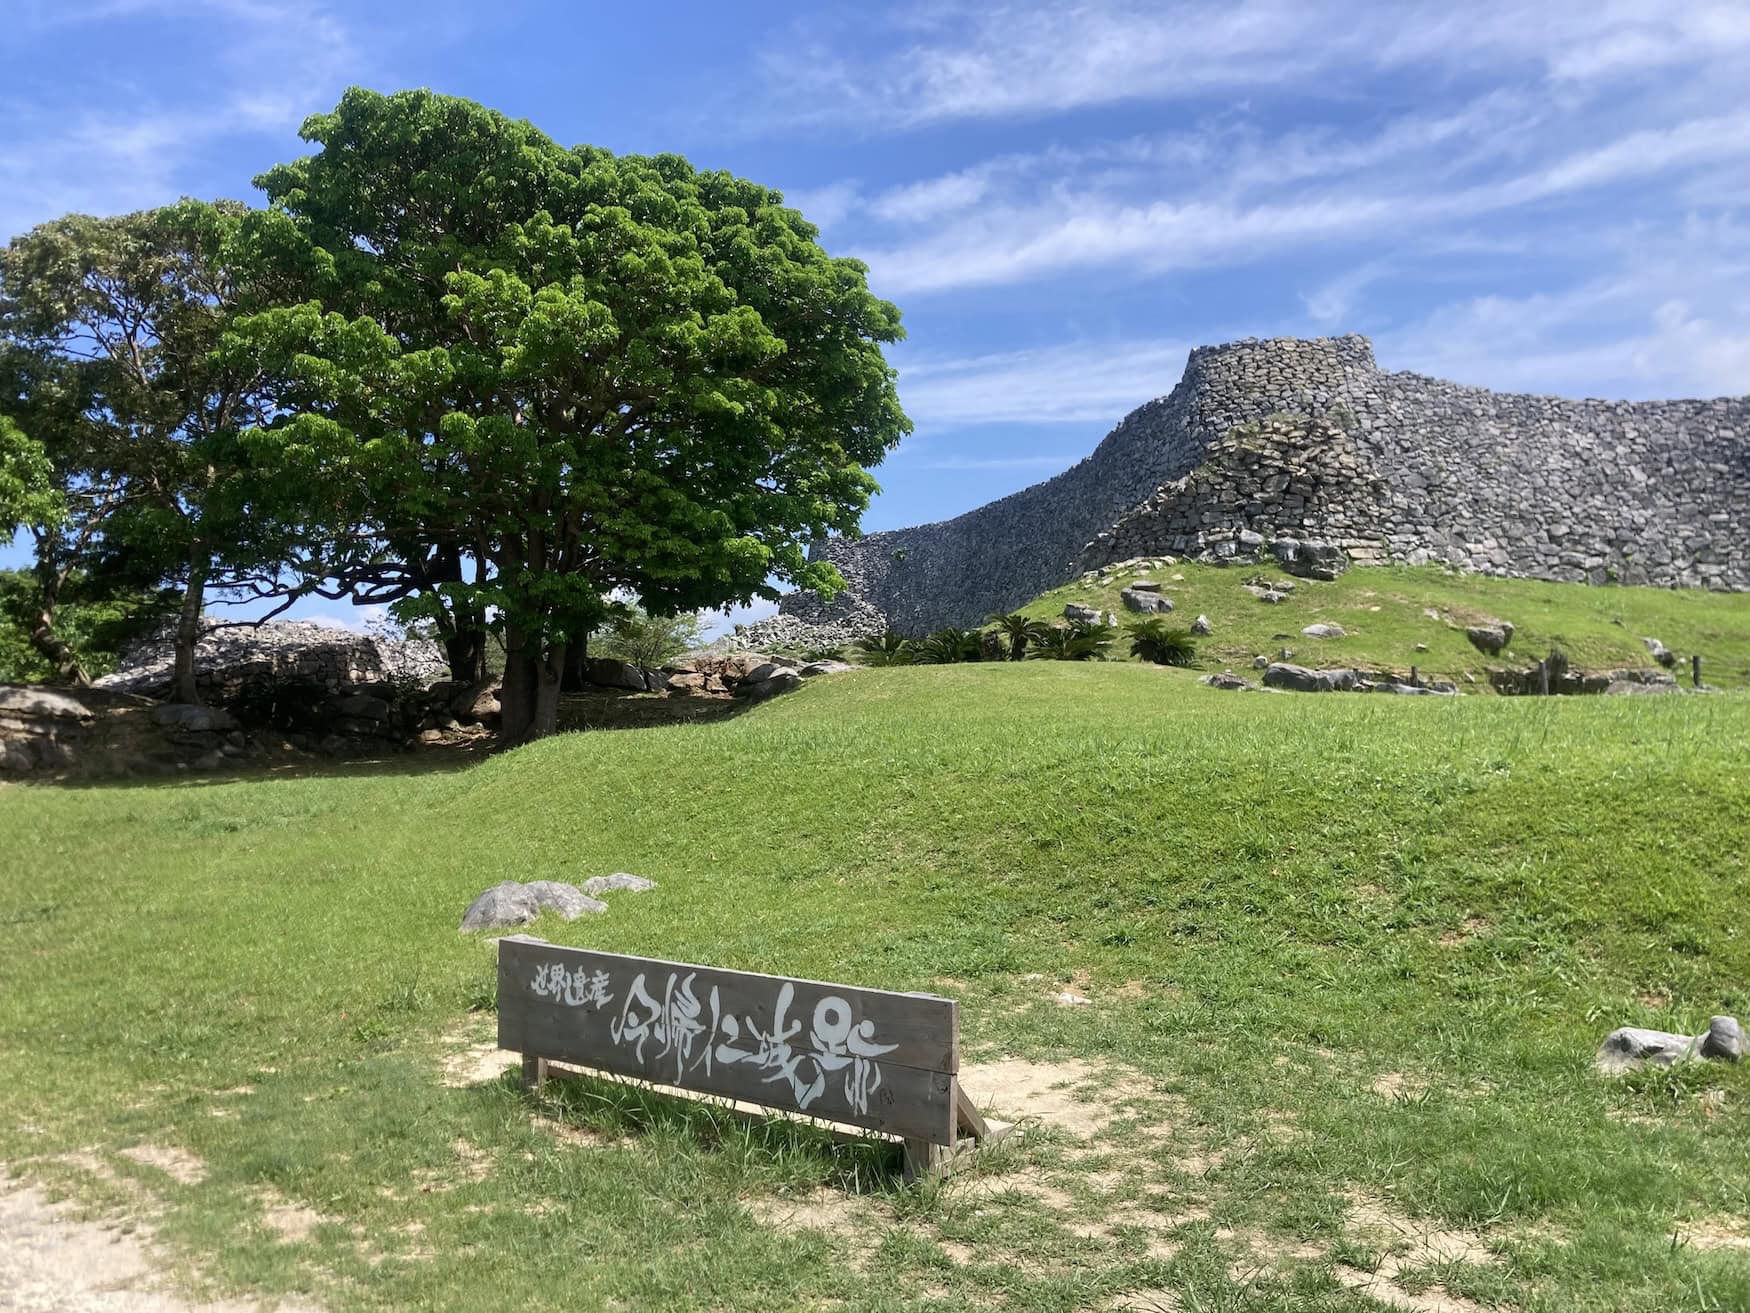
(106, 147)
(1072, 383)
(1005, 60)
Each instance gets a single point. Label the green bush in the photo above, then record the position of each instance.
(889, 649)
(949, 645)
(1154, 639)
(648, 641)
(1079, 640)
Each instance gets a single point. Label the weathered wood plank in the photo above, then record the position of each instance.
(869, 1058)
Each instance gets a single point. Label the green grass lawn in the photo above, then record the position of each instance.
(1383, 613)
(1348, 958)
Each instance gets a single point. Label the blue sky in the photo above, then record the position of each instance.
(1062, 198)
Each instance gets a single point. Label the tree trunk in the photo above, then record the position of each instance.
(188, 629)
(465, 650)
(46, 641)
(528, 701)
(576, 655)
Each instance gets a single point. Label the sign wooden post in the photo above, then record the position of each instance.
(869, 1058)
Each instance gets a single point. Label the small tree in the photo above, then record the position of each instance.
(1153, 639)
(1018, 631)
(649, 641)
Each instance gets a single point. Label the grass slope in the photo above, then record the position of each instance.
(1382, 609)
(1348, 955)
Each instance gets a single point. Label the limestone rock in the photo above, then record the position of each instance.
(1299, 679)
(1490, 638)
(814, 668)
(1145, 585)
(476, 702)
(1324, 631)
(598, 885)
(1724, 1039)
(1145, 602)
(507, 903)
(194, 720)
(1227, 679)
(1659, 652)
(1310, 560)
(1086, 614)
(758, 690)
(607, 672)
(567, 900)
(1260, 662)
(1201, 627)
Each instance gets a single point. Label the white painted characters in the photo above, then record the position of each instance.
(674, 1027)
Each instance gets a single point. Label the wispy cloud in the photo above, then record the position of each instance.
(104, 145)
(1006, 60)
(1073, 383)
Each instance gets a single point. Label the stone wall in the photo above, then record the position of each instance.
(1390, 466)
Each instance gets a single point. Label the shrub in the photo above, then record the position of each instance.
(1154, 639)
(648, 641)
(949, 645)
(1079, 640)
(889, 649)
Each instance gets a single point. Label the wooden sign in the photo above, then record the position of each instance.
(869, 1058)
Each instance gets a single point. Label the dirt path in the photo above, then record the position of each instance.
(52, 1262)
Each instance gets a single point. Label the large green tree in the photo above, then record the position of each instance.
(110, 330)
(580, 374)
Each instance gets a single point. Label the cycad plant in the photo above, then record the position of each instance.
(1154, 639)
(1079, 640)
(949, 645)
(889, 649)
(1018, 631)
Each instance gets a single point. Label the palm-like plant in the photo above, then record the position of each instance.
(1154, 639)
(889, 649)
(949, 645)
(1079, 640)
(1018, 631)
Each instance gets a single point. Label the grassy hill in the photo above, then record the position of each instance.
(1384, 613)
(1347, 961)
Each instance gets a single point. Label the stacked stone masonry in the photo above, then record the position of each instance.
(1309, 439)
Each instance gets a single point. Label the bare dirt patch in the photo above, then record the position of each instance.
(1396, 1086)
(1716, 1234)
(1147, 1301)
(291, 1223)
(477, 1064)
(824, 1209)
(1411, 1244)
(1072, 1096)
(53, 1261)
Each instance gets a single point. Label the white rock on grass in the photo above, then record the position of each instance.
(511, 904)
(598, 885)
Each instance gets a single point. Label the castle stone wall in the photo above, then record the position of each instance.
(1310, 439)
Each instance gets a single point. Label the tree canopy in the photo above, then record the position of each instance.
(586, 374)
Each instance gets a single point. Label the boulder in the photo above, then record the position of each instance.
(1145, 585)
(1724, 1040)
(1227, 679)
(762, 672)
(28, 700)
(476, 702)
(567, 900)
(1301, 680)
(1324, 631)
(1269, 596)
(597, 885)
(1078, 611)
(194, 720)
(1145, 602)
(1312, 559)
(1660, 653)
(758, 690)
(1201, 627)
(505, 904)
(1490, 638)
(1631, 1046)
(1260, 662)
(607, 672)
(814, 668)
